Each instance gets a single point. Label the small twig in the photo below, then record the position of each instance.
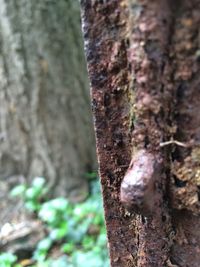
(171, 142)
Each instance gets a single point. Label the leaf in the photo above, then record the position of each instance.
(59, 204)
(88, 242)
(102, 240)
(7, 259)
(31, 193)
(47, 214)
(18, 190)
(60, 262)
(38, 182)
(58, 234)
(89, 259)
(44, 244)
(32, 206)
(68, 247)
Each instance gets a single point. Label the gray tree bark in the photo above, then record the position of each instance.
(45, 119)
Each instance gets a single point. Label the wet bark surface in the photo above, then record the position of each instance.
(143, 62)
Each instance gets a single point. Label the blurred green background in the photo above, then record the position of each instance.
(75, 233)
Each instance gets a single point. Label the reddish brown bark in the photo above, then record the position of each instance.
(143, 65)
(105, 32)
(185, 164)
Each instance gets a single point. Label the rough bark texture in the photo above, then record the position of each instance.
(45, 120)
(105, 32)
(150, 24)
(185, 166)
(143, 62)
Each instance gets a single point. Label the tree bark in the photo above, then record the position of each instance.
(143, 62)
(45, 118)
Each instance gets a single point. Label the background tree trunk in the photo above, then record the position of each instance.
(45, 120)
(143, 61)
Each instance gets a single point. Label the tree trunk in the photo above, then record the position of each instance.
(45, 118)
(143, 62)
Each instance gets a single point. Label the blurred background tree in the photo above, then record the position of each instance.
(45, 120)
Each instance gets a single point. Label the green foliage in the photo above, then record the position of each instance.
(32, 195)
(77, 230)
(91, 175)
(8, 260)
